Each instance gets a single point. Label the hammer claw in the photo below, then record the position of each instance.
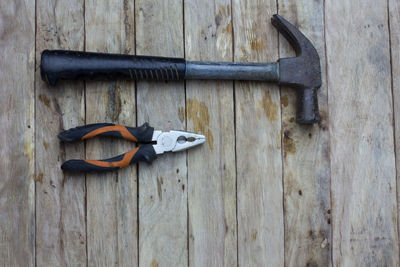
(288, 31)
(302, 71)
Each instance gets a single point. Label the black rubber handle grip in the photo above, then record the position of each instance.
(143, 133)
(75, 65)
(142, 153)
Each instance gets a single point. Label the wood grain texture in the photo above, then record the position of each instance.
(127, 213)
(364, 213)
(210, 111)
(60, 198)
(306, 163)
(258, 141)
(17, 159)
(162, 185)
(111, 198)
(342, 171)
(394, 20)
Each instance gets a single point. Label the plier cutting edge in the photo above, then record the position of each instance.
(154, 143)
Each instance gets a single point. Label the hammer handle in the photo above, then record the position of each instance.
(73, 65)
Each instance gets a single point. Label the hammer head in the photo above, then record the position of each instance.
(302, 71)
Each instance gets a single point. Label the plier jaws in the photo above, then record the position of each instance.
(174, 141)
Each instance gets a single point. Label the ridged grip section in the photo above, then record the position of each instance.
(76, 65)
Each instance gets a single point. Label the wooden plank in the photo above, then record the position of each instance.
(127, 213)
(211, 168)
(258, 141)
(364, 214)
(111, 198)
(17, 188)
(60, 198)
(162, 185)
(394, 19)
(306, 164)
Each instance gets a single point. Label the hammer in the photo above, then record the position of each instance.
(302, 72)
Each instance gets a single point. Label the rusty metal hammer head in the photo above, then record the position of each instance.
(302, 71)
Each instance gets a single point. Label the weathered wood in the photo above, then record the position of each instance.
(162, 185)
(127, 213)
(306, 164)
(211, 168)
(364, 214)
(394, 20)
(111, 198)
(60, 198)
(258, 141)
(359, 147)
(17, 188)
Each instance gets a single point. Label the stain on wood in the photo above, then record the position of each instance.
(270, 108)
(181, 114)
(154, 263)
(200, 117)
(256, 45)
(39, 178)
(227, 29)
(45, 100)
(112, 101)
(46, 145)
(254, 235)
(159, 189)
(284, 101)
(289, 146)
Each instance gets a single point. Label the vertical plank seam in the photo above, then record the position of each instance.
(393, 120)
(282, 161)
(186, 152)
(116, 211)
(34, 141)
(329, 134)
(136, 122)
(84, 142)
(116, 176)
(235, 144)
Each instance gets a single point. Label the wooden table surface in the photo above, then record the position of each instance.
(263, 191)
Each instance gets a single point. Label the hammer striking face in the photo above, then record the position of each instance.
(302, 72)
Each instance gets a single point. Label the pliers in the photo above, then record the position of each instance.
(155, 142)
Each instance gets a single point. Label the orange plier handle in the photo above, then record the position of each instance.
(142, 134)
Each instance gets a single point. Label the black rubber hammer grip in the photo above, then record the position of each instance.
(75, 65)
